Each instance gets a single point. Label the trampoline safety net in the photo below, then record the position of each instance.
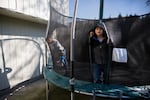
(132, 33)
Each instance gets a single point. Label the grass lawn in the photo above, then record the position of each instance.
(37, 91)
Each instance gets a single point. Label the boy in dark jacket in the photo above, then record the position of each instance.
(99, 52)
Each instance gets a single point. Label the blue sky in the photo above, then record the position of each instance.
(90, 8)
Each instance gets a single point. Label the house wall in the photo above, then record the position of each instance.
(22, 50)
(23, 26)
(36, 8)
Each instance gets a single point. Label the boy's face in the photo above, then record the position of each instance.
(49, 40)
(98, 31)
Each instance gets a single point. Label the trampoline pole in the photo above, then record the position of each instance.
(101, 10)
(72, 37)
(47, 90)
(94, 95)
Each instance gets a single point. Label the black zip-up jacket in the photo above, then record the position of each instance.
(99, 51)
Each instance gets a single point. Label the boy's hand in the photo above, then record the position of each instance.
(91, 34)
(60, 63)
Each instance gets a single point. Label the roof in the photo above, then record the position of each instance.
(15, 14)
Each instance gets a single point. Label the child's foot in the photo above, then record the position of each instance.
(98, 81)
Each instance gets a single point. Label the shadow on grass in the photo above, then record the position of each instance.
(57, 93)
(37, 91)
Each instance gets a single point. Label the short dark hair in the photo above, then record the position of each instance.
(99, 25)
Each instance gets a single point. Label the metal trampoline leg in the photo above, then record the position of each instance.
(47, 91)
(94, 95)
(120, 96)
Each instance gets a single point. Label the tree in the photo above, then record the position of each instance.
(148, 2)
(119, 16)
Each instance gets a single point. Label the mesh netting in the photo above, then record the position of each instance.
(127, 32)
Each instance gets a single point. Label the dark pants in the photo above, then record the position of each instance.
(99, 73)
